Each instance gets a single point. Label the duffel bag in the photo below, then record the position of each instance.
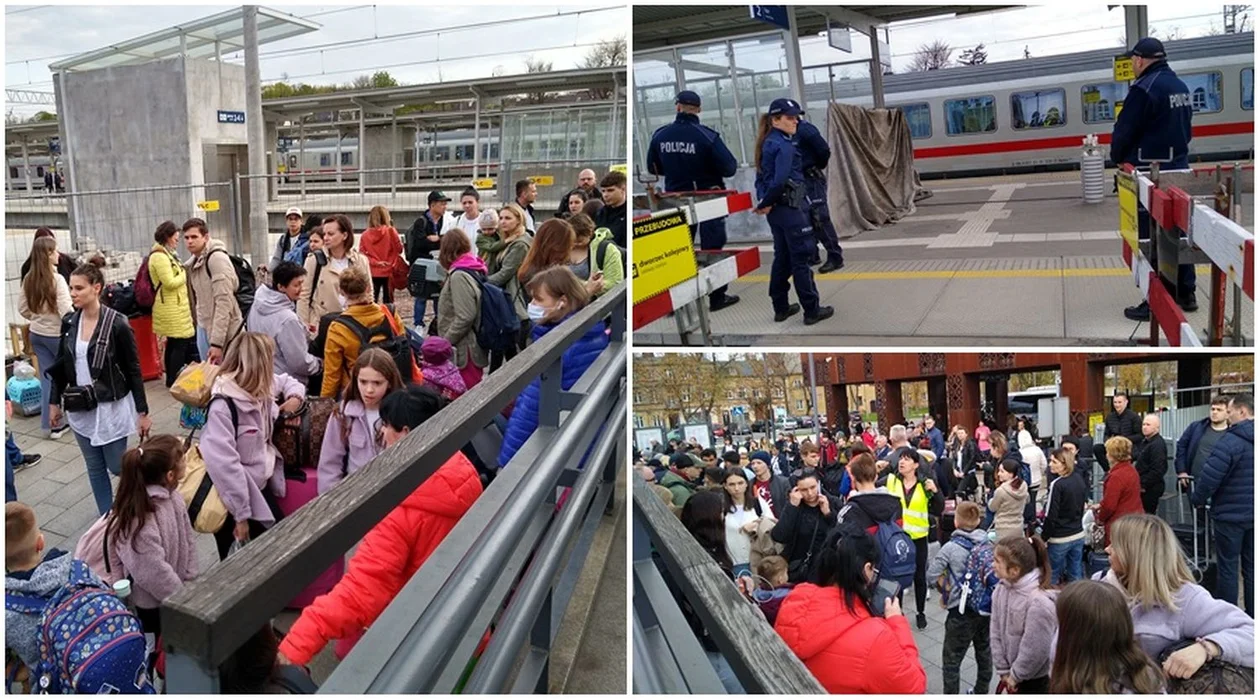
(299, 445)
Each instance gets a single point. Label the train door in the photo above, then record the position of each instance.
(227, 162)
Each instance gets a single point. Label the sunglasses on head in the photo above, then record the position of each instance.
(806, 473)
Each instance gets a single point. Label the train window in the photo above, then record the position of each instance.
(13, 172)
(1205, 91)
(1098, 102)
(325, 160)
(1038, 109)
(1248, 87)
(346, 157)
(919, 116)
(971, 115)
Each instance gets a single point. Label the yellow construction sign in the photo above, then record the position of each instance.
(208, 205)
(542, 180)
(619, 168)
(1127, 191)
(662, 254)
(484, 183)
(1122, 69)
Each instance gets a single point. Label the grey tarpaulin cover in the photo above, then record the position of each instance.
(871, 180)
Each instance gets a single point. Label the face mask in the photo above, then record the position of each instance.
(536, 312)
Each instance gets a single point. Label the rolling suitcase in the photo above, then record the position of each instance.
(300, 488)
(1196, 545)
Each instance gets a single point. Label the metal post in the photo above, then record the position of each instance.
(67, 156)
(877, 71)
(338, 152)
(302, 153)
(739, 103)
(614, 144)
(218, 60)
(476, 131)
(792, 47)
(362, 152)
(393, 157)
(813, 396)
(1235, 209)
(1134, 24)
(257, 230)
(26, 165)
(1154, 255)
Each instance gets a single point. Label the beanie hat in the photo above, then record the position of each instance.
(436, 350)
(761, 455)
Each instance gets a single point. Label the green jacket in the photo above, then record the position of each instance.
(614, 268)
(680, 487)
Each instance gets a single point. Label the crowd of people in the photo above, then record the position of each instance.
(321, 331)
(1055, 590)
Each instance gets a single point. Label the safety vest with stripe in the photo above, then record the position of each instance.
(915, 513)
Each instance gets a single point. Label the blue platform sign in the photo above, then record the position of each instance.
(774, 14)
(226, 117)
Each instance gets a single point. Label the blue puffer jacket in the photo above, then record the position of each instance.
(576, 360)
(1188, 444)
(1228, 476)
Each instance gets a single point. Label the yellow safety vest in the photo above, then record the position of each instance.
(914, 515)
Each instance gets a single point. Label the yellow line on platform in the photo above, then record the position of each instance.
(955, 274)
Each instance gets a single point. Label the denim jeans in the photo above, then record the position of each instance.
(12, 455)
(1065, 561)
(46, 353)
(417, 310)
(1235, 542)
(101, 462)
(203, 343)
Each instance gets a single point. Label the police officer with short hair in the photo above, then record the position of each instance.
(1154, 125)
(814, 156)
(781, 198)
(692, 157)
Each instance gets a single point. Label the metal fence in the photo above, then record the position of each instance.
(509, 563)
(560, 174)
(667, 656)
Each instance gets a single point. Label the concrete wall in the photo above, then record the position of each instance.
(381, 151)
(210, 88)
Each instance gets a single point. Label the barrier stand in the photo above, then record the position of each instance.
(714, 268)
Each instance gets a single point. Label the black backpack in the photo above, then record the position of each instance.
(397, 346)
(245, 281)
(499, 326)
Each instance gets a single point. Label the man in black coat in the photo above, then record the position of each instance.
(803, 526)
(1151, 463)
(1123, 422)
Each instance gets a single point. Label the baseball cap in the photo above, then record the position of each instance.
(437, 196)
(293, 211)
(687, 97)
(1150, 47)
(785, 106)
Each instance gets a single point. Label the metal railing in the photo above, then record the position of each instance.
(506, 551)
(667, 656)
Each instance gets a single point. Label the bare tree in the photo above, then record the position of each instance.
(933, 56)
(537, 65)
(605, 54)
(1237, 19)
(973, 57)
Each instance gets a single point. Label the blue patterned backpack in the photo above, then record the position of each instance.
(90, 643)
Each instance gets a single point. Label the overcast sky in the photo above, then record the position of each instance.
(1065, 27)
(41, 34)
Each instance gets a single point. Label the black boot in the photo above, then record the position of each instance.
(1140, 313)
(781, 316)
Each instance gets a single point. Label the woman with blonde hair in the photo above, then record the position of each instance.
(321, 294)
(383, 249)
(1122, 490)
(504, 258)
(43, 299)
(236, 442)
(1168, 607)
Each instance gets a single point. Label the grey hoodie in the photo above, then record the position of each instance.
(952, 561)
(21, 631)
(276, 316)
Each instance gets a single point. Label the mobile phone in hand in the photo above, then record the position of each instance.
(883, 590)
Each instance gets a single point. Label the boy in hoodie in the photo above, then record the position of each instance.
(29, 570)
(962, 629)
(274, 313)
(868, 505)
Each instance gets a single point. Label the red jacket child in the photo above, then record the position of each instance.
(389, 555)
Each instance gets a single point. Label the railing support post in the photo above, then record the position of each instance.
(549, 402)
(184, 675)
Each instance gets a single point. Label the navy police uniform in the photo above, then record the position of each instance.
(814, 156)
(691, 157)
(781, 188)
(1154, 125)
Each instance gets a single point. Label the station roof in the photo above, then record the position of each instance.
(659, 26)
(382, 100)
(195, 39)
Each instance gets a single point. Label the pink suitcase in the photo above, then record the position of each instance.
(299, 492)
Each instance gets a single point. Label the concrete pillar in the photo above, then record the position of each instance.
(792, 49)
(998, 391)
(1081, 381)
(257, 229)
(362, 152)
(302, 153)
(477, 133)
(337, 155)
(877, 71)
(968, 414)
(838, 404)
(272, 135)
(1194, 371)
(26, 165)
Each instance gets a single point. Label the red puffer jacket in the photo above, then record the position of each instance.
(383, 248)
(387, 558)
(850, 652)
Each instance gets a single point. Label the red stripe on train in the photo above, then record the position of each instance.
(1202, 131)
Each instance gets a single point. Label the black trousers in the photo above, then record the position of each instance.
(224, 537)
(1034, 686)
(963, 630)
(522, 339)
(920, 575)
(382, 292)
(150, 620)
(1150, 499)
(179, 352)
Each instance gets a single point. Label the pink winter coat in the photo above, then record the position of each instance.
(362, 445)
(1022, 628)
(162, 554)
(242, 463)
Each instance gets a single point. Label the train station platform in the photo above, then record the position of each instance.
(983, 262)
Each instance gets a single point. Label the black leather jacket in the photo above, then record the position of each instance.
(121, 373)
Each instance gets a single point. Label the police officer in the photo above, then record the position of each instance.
(814, 156)
(692, 157)
(781, 198)
(1154, 125)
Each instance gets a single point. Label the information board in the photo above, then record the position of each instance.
(484, 183)
(1122, 69)
(228, 117)
(662, 254)
(1127, 191)
(770, 14)
(700, 433)
(643, 438)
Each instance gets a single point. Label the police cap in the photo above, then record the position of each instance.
(785, 106)
(1150, 47)
(687, 97)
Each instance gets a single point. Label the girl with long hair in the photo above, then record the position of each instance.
(172, 311)
(96, 381)
(354, 437)
(149, 528)
(704, 517)
(43, 299)
(504, 260)
(743, 512)
(1096, 653)
(1008, 501)
(236, 442)
(551, 247)
(383, 248)
(594, 258)
(1023, 615)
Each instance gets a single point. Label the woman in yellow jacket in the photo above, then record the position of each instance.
(920, 499)
(320, 293)
(341, 350)
(172, 310)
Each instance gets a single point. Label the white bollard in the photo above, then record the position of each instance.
(1092, 176)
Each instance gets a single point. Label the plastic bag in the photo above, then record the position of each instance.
(23, 370)
(237, 545)
(193, 385)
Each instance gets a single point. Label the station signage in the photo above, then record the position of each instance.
(619, 168)
(662, 254)
(542, 180)
(484, 183)
(771, 14)
(208, 205)
(228, 117)
(1122, 69)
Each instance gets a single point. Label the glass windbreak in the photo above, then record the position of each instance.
(970, 115)
(1101, 102)
(761, 66)
(1038, 109)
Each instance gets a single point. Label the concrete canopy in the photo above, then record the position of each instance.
(205, 38)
